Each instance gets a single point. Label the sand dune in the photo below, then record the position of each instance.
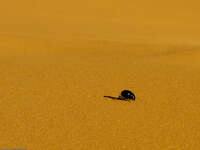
(58, 59)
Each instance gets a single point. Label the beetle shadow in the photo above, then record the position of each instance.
(117, 98)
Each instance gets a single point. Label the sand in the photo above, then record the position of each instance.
(59, 58)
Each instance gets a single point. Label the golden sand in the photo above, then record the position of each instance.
(59, 58)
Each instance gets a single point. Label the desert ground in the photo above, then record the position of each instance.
(58, 59)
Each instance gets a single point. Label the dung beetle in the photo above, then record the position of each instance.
(126, 94)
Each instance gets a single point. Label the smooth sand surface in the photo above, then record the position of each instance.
(59, 58)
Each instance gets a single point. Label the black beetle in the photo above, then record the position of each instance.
(126, 94)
